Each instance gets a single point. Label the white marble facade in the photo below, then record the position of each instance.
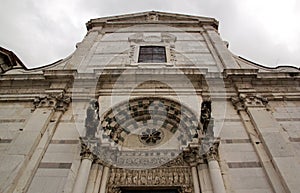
(149, 135)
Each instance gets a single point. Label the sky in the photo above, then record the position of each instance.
(41, 32)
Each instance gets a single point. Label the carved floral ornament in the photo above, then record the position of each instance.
(151, 136)
(244, 101)
(59, 102)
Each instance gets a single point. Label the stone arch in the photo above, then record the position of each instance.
(158, 112)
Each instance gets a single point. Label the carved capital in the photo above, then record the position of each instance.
(86, 152)
(237, 103)
(57, 102)
(209, 149)
(244, 101)
(212, 154)
(191, 154)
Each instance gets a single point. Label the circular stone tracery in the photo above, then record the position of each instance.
(151, 136)
(151, 120)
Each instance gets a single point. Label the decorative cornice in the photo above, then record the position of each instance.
(152, 17)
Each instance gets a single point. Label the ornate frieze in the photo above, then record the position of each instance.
(59, 102)
(156, 177)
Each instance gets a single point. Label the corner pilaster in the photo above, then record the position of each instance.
(267, 139)
(36, 136)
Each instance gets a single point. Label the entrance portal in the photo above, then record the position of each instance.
(151, 191)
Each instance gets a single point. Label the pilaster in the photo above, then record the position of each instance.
(36, 135)
(220, 47)
(266, 135)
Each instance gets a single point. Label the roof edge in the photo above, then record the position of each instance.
(11, 61)
(99, 22)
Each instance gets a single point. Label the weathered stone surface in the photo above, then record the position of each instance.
(258, 128)
(248, 179)
(289, 169)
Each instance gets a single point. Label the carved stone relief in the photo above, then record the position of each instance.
(92, 118)
(157, 177)
(152, 17)
(244, 101)
(59, 102)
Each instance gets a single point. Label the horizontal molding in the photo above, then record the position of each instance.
(235, 141)
(65, 141)
(294, 139)
(5, 140)
(51, 165)
(12, 120)
(244, 164)
(287, 119)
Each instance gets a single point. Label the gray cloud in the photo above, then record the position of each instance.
(41, 32)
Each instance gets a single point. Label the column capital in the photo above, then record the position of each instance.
(191, 154)
(210, 149)
(58, 102)
(244, 101)
(212, 154)
(86, 153)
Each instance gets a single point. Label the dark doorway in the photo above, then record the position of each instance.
(151, 191)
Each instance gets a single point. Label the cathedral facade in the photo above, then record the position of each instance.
(149, 102)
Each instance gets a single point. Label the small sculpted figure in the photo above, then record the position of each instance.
(92, 118)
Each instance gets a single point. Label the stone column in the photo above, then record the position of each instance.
(195, 180)
(204, 178)
(104, 179)
(192, 156)
(84, 171)
(98, 179)
(215, 172)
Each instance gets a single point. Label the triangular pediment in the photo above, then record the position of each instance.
(152, 17)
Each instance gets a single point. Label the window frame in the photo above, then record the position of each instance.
(147, 54)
